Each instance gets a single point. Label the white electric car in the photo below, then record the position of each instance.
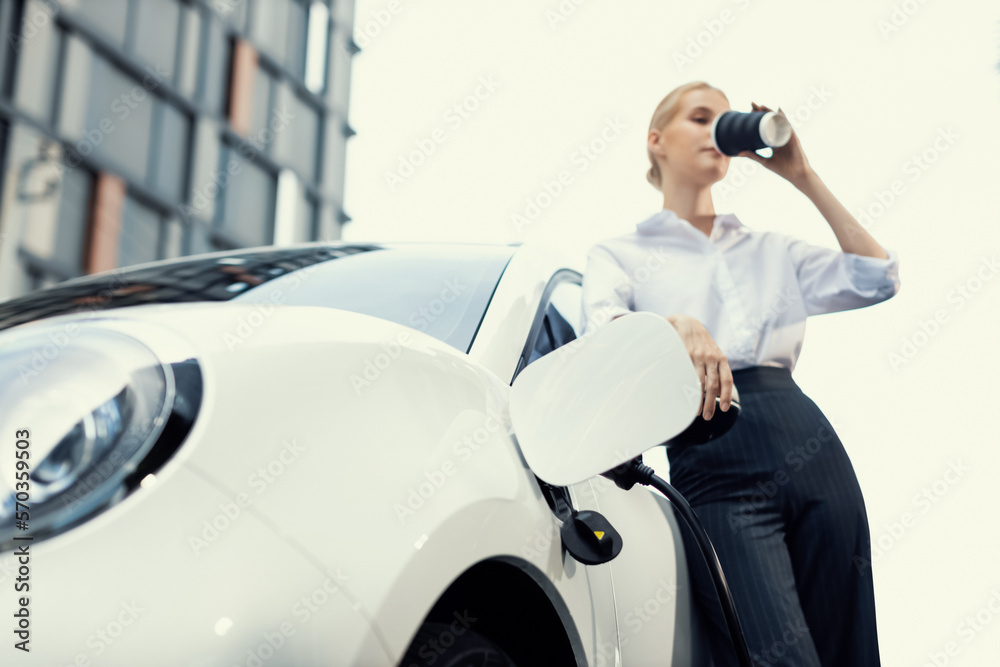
(319, 455)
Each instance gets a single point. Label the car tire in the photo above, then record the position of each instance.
(469, 649)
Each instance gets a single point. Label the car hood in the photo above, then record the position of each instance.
(239, 325)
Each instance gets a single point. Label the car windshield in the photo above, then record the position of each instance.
(440, 289)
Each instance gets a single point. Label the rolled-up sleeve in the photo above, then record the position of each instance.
(607, 289)
(833, 280)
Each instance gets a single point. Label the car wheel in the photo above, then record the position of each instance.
(441, 645)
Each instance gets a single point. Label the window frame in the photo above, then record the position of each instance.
(559, 277)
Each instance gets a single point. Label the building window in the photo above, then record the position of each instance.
(281, 29)
(285, 126)
(233, 12)
(215, 68)
(147, 235)
(296, 143)
(168, 170)
(140, 237)
(119, 119)
(109, 18)
(295, 51)
(158, 166)
(263, 93)
(38, 61)
(317, 47)
(11, 45)
(46, 215)
(113, 116)
(187, 72)
(247, 213)
(157, 26)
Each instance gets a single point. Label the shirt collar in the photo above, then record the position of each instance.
(663, 221)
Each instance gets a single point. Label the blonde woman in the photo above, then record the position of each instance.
(777, 493)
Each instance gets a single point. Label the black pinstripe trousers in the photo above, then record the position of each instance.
(780, 500)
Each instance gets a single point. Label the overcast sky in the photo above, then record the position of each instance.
(883, 96)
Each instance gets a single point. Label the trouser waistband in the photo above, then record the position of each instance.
(762, 378)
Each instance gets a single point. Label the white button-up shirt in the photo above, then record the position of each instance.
(751, 290)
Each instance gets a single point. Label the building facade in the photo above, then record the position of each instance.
(138, 130)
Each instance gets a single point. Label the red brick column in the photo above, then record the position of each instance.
(104, 227)
(244, 72)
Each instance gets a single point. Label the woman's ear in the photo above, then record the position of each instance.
(654, 145)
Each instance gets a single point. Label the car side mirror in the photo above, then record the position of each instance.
(604, 398)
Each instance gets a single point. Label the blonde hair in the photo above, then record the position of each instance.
(664, 113)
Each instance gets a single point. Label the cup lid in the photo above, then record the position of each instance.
(775, 130)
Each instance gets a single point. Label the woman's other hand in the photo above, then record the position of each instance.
(788, 161)
(709, 362)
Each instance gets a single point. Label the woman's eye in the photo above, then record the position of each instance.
(698, 120)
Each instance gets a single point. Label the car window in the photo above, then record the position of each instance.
(440, 289)
(567, 300)
(558, 323)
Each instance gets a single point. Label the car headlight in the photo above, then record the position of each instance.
(87, 407)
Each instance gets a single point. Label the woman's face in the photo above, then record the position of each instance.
(684, 145)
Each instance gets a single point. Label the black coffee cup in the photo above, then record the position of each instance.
(737, 131)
